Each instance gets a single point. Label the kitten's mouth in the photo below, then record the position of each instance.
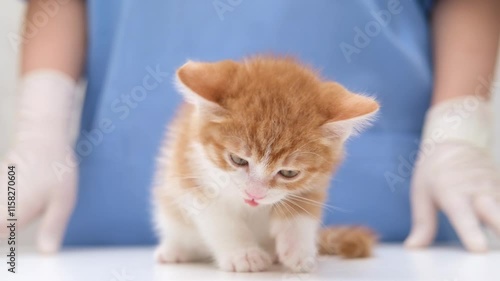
(251, 202)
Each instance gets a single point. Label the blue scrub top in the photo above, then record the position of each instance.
(376, 47)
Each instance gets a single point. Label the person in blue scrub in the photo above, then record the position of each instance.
(413, 56)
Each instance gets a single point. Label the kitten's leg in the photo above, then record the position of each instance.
(179, 241)
(296, 241)
(231, 241)
(269, 245)
(259, 224)
(296, 235)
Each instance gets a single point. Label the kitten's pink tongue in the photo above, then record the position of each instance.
(251, 202)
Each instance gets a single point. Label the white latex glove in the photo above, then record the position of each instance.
(455, 173)
(45, 168)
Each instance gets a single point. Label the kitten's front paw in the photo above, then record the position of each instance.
(296, 255)
(245, 260)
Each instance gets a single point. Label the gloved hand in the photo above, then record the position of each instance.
(455, 173)
(46, 170)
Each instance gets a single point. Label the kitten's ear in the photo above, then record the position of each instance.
(203, 84)
(350, 113)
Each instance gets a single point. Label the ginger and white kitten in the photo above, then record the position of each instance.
(247, 162)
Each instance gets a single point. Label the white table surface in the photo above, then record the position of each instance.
(390, 262)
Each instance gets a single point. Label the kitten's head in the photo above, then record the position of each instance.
(271, 124)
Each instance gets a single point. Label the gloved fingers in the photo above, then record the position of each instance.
(488, 210)
(56, 217)
(53, 226)
(424, 219)
(462, 216)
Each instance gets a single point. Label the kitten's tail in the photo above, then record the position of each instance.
(347, 241)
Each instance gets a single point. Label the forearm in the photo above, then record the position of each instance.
(58, 45)
(457, 176)
(465, 35)
(54, 43)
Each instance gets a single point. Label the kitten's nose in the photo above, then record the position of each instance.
(255, 195)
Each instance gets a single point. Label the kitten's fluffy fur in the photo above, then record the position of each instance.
(219, 192)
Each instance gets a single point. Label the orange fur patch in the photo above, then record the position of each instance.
(347, 242)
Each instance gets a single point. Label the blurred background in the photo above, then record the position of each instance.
(11, 13)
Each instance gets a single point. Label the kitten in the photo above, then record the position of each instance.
(247, 162)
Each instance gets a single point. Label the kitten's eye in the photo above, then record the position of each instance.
(237, 160)
(288, 173)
